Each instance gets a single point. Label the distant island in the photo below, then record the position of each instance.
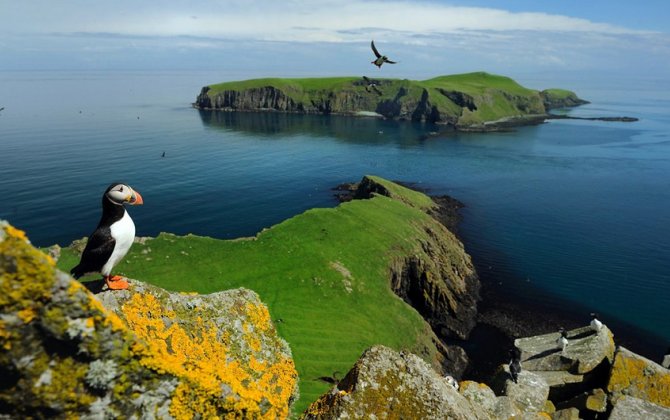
(477, 101)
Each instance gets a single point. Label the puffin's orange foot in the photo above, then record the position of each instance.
(116, 282)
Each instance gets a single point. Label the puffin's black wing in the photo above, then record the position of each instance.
(98, 249)
(389, 61)
(374, 50)
(366, 79)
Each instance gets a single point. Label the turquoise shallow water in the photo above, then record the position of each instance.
(569, 210)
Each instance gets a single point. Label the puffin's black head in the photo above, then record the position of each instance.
(119, 193)
(594, 315)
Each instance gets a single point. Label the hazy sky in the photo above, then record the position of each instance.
(296, 37)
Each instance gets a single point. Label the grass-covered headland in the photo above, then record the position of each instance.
(325, 275)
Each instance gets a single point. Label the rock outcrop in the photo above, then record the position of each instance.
(157, 354)
(560, 98)
(634, 408)
(472, 102)
(389, 384)
(625, 386)
(635, 376)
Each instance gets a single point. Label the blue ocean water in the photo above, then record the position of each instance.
(568, 211)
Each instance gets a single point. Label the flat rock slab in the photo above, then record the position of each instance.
(586, 349)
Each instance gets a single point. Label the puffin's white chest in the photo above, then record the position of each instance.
(123, 232)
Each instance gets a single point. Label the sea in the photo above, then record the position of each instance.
(572, 216)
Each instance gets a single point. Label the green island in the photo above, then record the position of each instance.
(477, 101)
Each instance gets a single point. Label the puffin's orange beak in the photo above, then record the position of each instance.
(136, 199)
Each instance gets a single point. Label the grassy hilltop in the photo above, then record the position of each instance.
(472, 101)
(324, 275)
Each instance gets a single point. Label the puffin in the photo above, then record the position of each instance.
(515, 364)
(452, 381)
(381, 59)
(113, 237)
(596, 324)
(562, 340)
(371, 85)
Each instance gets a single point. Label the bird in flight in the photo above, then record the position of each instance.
(381, 59)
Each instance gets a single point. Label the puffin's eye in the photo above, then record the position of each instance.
(120, 189)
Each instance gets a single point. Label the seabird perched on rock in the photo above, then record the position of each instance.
(451, 381)
(596, 325)
(666, 359)
(381, 59)
(515, 364)
(562, 340)
(371, 85)
(113, 237)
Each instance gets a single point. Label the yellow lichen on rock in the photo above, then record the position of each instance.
(64, 353)
(638, 377)
(198, 351)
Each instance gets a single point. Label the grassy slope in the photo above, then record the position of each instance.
(492, 104)
(296, 267)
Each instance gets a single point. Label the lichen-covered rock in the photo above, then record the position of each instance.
(530, 393)
(628, 408)
(63, 354)
(479, 394)
(566, 414)
(387, 384)
(588, 402)
(635, 376)
(586, 349)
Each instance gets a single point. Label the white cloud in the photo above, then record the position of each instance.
(328, 21)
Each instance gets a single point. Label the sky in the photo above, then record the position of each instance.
(285, 38)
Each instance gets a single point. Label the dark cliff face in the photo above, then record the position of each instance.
(440, 282)
(402, 106)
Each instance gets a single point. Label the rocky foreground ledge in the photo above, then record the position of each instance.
(140, 353)
(591, 378)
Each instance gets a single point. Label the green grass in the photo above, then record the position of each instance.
(298, 268)
(477, 83)
(558, 93)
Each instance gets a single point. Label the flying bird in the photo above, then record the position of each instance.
(371, 85)
(113, 237)
(381, 59)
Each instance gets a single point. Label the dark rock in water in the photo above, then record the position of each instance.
(610, 119)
